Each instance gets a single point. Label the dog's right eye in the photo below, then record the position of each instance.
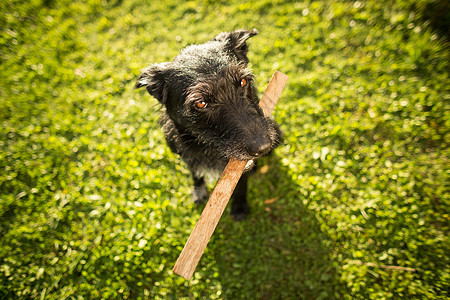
(201, 104)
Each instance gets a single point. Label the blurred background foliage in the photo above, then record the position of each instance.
(354, 204)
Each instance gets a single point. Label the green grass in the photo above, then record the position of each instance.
(94, 205)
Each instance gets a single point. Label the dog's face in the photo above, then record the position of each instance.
(209, 93)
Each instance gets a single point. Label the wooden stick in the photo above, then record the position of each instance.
(203, 230)
(398, 268)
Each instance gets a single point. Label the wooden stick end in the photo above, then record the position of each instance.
(183, 272)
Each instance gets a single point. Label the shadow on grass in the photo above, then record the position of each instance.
(279, 251)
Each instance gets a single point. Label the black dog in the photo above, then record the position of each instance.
(210, 110)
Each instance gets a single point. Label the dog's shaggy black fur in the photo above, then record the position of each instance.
(210, 110)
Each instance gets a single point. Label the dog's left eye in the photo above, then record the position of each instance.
(243, 82)
(201, 104)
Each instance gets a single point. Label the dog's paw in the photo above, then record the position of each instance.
(200, 195)
(240, 212)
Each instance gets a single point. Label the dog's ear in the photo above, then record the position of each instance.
(154, 78)
(236, 41)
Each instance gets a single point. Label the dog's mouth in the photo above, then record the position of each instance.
(252, 145)
(244, 142)
(253, 148)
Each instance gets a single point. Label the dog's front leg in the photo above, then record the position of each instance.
(200, 193)
(239, 206)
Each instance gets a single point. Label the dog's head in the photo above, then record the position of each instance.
(209, 93)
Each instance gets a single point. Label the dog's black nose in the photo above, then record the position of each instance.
(258, 146)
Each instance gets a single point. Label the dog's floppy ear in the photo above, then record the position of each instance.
(236, 41)
(154, 78)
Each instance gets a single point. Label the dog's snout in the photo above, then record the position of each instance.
(258, 146)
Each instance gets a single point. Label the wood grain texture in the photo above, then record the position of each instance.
(203, 230)
(273, 92)
(206, 224)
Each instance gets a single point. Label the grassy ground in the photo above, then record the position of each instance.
(354, 204)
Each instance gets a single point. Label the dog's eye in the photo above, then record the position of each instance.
(243, 82)
(201, 104)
